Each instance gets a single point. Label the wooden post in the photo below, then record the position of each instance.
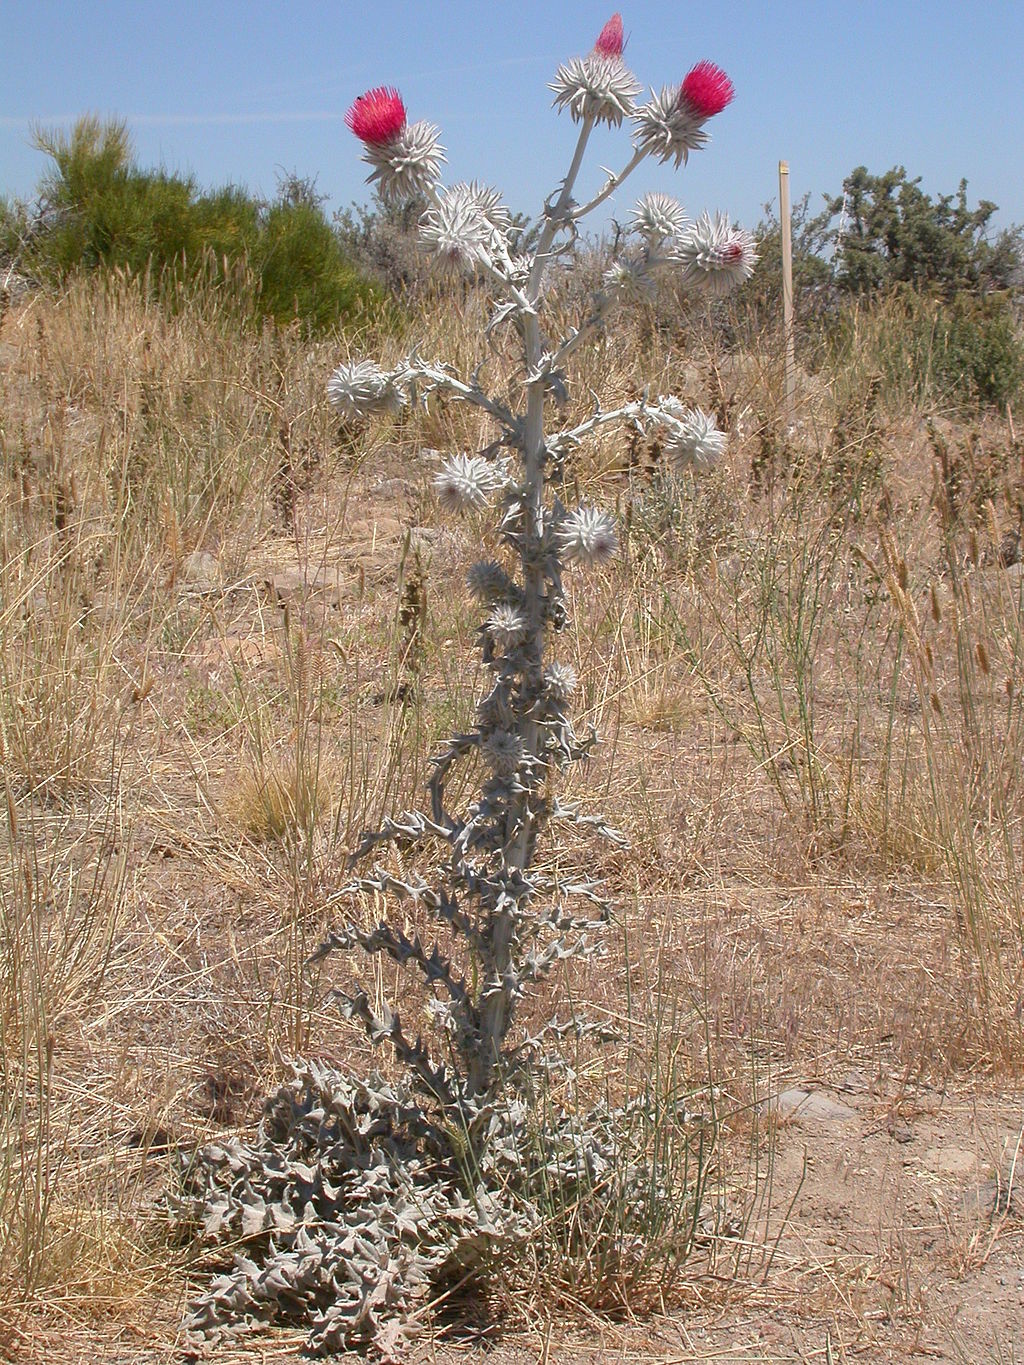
(786, 229)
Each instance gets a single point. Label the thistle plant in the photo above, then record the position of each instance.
(503, 922)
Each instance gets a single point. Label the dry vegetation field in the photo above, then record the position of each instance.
(230, 637)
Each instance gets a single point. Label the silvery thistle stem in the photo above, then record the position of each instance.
(519, 827)
(611, 184)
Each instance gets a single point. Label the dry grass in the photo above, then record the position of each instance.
(808, 673)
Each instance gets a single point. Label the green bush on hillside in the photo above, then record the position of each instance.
(964, 353)
(912, 289)
(982, 349)
(99, 210)
(888, 232)
(302, 270)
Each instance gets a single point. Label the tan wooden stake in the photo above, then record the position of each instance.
(786, 228)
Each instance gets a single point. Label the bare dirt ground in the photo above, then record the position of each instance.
(895, 1232)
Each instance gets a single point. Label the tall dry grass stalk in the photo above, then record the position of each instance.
(134, 436)
(63, 901)
(965, 651)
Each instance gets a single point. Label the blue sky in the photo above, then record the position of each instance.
(239, 92)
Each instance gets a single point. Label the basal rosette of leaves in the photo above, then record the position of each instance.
(356, 1205)
(364, 1199)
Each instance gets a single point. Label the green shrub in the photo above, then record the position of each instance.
(99, 210)
(963, 354)
(14, 230)
(303, 271)
(981, 350)
(890, 232)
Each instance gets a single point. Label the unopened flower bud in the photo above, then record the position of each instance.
(657, 216)
(560, 682)
(629, 279)
(506, 626)
(588, 536)
(598, 87)
(488, 581)
(690, 435)
(487, 202)
(466, 481)
(360, 388)
(714, 255)
(462, 225)
(503, 750)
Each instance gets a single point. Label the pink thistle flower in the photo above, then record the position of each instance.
(706, 91)
(377, 117)
(609, 40)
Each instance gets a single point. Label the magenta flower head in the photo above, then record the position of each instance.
(609, 40)
(706, 91)
(406, 157)
(377, 117)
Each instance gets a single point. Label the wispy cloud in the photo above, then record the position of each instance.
(343, 80)
(168, 120)
(342, 84)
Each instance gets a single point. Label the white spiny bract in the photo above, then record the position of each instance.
(560, 682)
(597, 88)
(360, 388)
(463, 227)
(658, 216)
(690, 436)
(354, 1205)
(507, 626)
(407, 167)
(488, 203)
(714, 255)
(489, 582)
(588, 536)
(664, 130)
(465, 483)
(630, 278)
(504, 751)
